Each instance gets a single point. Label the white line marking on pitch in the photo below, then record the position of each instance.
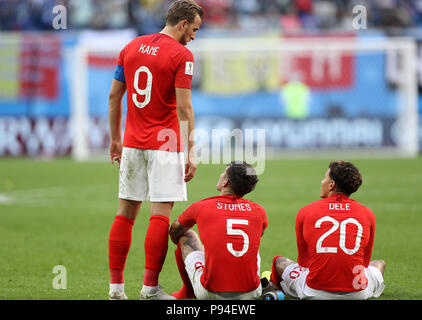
(5, 199)
(53, 196)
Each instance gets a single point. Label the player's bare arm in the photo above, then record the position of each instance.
(117, 91)
(190, 242)
(185, 114)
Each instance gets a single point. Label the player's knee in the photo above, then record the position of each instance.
(382, 266)
(281, 264)
(129, 208)
(161, 208)
(379, 264)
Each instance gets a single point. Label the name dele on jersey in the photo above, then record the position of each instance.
(339, 206)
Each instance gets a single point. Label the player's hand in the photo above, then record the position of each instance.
(190, 169)
(115, 151)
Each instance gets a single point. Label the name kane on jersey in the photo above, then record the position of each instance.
(148, 49)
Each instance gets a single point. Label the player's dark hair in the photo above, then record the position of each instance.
(242, 177)
(346, 176)
(183, 10)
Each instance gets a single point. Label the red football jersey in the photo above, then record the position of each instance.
(230, 229)
(335, 237)
(154, 65)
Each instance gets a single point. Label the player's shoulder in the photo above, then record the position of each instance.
(147, 38)
(204, 202)
(361, 207)
(177, 49)
(310, 210)
(135, 41)
(165, 40)
(183, 52)
(203, 205)
(313, 205)
(253, 204)
(213, 199)
(127, 48)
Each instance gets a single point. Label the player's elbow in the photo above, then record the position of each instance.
(117, 91)
(115, 96)
(184, 107)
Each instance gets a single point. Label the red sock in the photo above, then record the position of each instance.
(156, 245)
(275, 278)
(186, 292)
(118, 247)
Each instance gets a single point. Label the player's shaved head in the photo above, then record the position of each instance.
(242, 177)
(183, 10)
(346, 176)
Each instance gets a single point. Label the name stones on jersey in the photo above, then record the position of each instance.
(234, 206)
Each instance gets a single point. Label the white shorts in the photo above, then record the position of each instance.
(153, 175)
(194, 264)
(294, 284)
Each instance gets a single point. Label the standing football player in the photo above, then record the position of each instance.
(335, 236)
(156, 70)
(226, 264)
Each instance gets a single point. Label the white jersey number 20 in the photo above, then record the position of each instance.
(142, 92)
(342, 240)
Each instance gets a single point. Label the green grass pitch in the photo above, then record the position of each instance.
(60, 213)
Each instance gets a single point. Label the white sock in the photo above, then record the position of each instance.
(120, 287)
(149, 290)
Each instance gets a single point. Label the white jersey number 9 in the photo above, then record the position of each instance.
(342, 240)
(142, 92)
(237, 232)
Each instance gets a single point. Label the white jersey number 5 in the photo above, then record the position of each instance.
(142, 92)
(342, 240)
(237, 232)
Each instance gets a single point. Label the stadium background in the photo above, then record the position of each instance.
(44, 204)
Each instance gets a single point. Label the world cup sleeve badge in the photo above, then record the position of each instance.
(189, 68)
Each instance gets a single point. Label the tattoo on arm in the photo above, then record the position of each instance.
(188, 239)
(190, 242)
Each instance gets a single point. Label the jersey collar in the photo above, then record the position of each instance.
(338, 197)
